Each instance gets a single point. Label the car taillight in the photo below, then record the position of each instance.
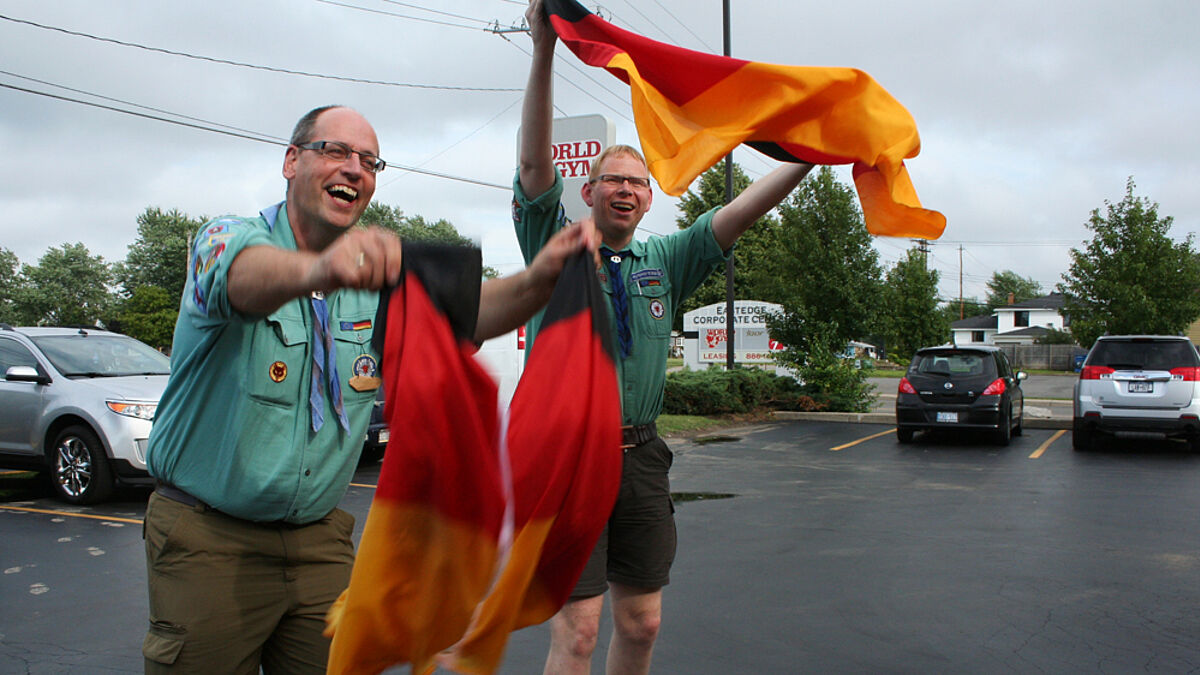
(1189, 373)
(1094, 372)
(906, 386)
(995, 388)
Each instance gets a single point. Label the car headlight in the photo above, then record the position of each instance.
(142, 411)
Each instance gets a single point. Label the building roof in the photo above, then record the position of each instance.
(1032, 331)
(1053, 301)
(976, 323)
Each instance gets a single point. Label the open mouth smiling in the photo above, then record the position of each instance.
(343, 193)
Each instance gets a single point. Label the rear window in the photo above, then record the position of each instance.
(953, 363)
(1147, 354)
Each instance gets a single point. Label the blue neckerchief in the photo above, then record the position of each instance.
(620, 299)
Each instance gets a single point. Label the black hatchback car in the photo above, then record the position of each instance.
(953, 387)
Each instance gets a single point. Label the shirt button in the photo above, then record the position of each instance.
(308, 472)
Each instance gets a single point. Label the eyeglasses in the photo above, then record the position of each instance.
(340, 152)
(616, 179)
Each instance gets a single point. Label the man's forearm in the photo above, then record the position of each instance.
(262, 278)
(508, 302)
(755, 201)
(537, 115)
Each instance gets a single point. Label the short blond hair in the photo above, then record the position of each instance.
(614, 151)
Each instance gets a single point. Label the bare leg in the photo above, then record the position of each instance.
(637, 614)
(573, 634)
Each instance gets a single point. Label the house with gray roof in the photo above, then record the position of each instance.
(1021, 323)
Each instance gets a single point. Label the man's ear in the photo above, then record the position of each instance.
(289, 162)
(585, 191)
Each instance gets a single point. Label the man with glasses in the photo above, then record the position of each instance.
(646, 282)
(260, 428)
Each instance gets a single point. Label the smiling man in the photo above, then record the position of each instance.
(273, 378)
(645, 281)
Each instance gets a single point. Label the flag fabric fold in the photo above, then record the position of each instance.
(429, 545)
(693, 108)
(564, 443)
(437, 566)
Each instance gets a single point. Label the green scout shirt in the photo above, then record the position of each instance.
(234, 426)
(659, 274)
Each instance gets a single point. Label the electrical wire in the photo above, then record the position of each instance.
(252, 66)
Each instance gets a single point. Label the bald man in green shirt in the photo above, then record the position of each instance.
(646, 281)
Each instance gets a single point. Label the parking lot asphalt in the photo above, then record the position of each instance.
(803, 547)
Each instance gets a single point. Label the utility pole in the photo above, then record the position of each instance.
(729, 316)
(960, 297)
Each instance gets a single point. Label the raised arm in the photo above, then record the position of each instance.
(537, 110)
(736, 217)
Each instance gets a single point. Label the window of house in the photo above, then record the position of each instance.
(1021, 319)
(978, 336)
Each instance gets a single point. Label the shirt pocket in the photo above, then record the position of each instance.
(650, 311)
(354, 356)
(279, 354)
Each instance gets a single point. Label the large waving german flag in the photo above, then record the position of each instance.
(692, 108)
(438, 565)
(564, 440)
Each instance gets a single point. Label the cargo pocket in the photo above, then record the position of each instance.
(163, 642)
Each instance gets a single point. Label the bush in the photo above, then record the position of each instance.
(720, 392)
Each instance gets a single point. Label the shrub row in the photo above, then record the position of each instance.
(717, 392)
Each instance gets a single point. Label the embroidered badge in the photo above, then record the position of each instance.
(365, 366)
(278, 371)
(657, 310)
(517, 213)
(651, 273)
(356, 325)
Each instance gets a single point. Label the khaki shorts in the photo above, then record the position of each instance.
(637, 546)
(229, 595)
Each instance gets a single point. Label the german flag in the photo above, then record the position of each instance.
(430, 544)
(692, 108)
(564, 441)
(438, 565)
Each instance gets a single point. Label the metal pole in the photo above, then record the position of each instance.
(729, 317)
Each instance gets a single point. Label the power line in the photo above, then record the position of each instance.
(260, 138)
(436, 11)
(252, 66)
(398, 16)
(685, 27)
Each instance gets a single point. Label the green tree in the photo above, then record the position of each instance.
(964, 309)
(821, 268)
(149, 315)
(10, 284)
(1006, 283)
(159, 256)
(416, 228)
(68, 287)
(708, 193)
(1131, 278)
(911, 307)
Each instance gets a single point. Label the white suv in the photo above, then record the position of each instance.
(78, 402)
(1138, 383)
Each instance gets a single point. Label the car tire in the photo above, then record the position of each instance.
(79, 469)
(904, 435)
(1019, 427)
(1082, 438)
(1004, 432)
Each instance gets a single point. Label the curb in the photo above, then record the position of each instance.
(890, 418)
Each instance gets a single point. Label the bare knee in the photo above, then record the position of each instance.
(576, 628)
(640, 626)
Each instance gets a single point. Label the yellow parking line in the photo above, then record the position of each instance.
(364, 485)
(70, 515)
(862, 440)
(1042, 448)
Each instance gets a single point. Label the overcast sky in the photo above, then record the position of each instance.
(1031, 114)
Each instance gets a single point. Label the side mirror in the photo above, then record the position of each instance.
(25, 374)
(1021, 375)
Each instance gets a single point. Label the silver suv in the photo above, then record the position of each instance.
(1138, 383)
(78, 402)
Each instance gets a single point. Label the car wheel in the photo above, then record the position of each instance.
(79, 470)
(904, 435)
(1081, 438)
(1004, 431)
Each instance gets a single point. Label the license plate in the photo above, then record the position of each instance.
(1141, 387)
(951, 417)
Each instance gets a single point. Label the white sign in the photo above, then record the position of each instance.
(705, 333)
(575, 144)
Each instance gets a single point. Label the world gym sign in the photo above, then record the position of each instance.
(705, 331)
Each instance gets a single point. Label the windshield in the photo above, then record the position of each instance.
(1142, 354)
(955, 364)
(102, 356)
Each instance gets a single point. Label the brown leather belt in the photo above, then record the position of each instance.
(176, 495)
(634, 436)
